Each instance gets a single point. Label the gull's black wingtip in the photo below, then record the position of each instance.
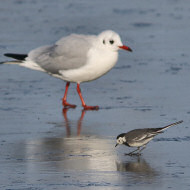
(20, 57)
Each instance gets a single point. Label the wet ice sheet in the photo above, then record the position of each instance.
(43, 148)
(71, 154)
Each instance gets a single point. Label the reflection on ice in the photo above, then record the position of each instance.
(82, 153)
(81, 159)
(67, 123)
(138, 170)
(137, 166)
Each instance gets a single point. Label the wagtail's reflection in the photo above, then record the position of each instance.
(137, 166)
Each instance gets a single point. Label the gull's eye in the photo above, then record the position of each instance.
(104, 42)
(111, 41)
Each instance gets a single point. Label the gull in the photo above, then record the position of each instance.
(75, 58)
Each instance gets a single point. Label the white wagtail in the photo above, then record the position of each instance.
(140, 137)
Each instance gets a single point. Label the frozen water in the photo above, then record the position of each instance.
(43, 147)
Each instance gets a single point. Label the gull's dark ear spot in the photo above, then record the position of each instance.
(111, 42)
(104, 42)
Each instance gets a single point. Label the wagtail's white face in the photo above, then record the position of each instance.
(120, 140)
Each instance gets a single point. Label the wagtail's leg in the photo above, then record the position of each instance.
(142, 148)
(132, 153)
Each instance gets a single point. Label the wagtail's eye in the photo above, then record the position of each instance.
(104, 42)
(111, 41)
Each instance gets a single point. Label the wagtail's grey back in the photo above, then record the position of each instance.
(140, 137)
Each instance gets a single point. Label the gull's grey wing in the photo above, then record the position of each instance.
(68, 53)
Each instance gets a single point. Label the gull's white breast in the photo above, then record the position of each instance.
(98, 63)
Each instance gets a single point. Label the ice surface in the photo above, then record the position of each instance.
(43, 148)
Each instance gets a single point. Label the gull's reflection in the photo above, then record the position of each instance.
(67, 123)
(72, 152)
(77, 155)
(84, 153)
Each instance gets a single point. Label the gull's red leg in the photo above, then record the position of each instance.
(83, 102)
(64, 100)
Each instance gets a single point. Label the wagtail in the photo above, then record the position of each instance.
(140, 137)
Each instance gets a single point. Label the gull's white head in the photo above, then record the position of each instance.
(110, 40)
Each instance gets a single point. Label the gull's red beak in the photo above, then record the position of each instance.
(126, 48)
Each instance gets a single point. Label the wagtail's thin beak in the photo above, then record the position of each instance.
(126, 48)
(116, 144)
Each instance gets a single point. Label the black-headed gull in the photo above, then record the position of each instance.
(75, 58)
